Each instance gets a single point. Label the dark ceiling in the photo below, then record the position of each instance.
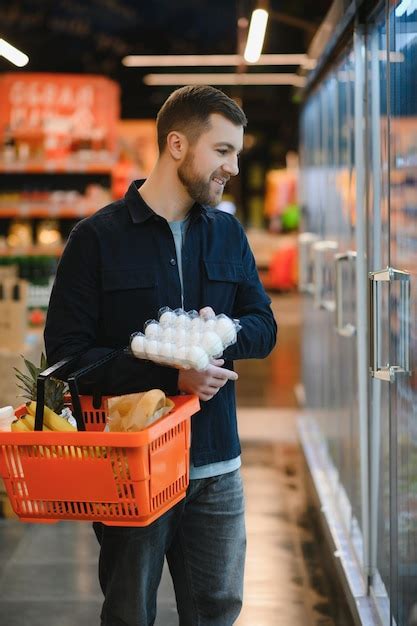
(93, 36)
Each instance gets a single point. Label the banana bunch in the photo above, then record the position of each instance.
(51, 420)
(19, 425)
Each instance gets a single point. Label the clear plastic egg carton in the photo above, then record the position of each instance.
(184, 339)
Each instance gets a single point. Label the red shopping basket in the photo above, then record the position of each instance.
(122, 479)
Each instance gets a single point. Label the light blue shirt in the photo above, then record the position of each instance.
(179, 229)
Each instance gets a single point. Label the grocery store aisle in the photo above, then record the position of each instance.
(48, 573)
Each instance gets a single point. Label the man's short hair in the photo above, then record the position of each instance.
(188, 110)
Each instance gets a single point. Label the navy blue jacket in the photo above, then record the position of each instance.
(119, 268)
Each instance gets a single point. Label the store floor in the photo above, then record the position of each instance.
(48, 572)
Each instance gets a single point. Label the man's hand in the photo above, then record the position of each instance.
(207, 383)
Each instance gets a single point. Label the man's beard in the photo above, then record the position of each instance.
(197, 188)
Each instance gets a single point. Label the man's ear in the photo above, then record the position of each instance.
(177, 144)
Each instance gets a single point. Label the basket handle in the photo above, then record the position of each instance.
(73, 386)
(53, 370)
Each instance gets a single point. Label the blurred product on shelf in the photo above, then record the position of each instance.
(13, 313)
(47, 233)
(38, 273)
(20, 234)
(281, 203)
(137, 151)
(34, 202)
(290, 218)
(276, 258)
(282, 274)
(8, 271)
(36, 269)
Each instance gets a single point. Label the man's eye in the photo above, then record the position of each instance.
(222, 152)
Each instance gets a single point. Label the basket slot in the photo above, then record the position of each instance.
(166, 437)
(169, 493)
(95, 418)
(119, 463)
(12, 456)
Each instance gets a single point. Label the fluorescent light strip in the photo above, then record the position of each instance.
(256, 35)
(224, 79)
(214, 60)
(12, 54)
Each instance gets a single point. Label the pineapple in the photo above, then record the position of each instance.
(54, 388)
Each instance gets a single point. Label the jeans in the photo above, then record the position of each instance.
(204, 540)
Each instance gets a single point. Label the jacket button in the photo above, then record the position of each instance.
(173, 262)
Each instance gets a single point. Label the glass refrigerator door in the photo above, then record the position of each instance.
(393, 267)
(344, 331)
(403, 302)
(381, 492)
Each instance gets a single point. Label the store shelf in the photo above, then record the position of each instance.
(67, 166)
(32, 251)
(48, 209)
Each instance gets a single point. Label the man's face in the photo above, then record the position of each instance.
(211, 161)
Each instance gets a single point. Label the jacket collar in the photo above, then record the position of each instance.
(140, 211)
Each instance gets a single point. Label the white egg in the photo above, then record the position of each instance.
(181, 338)
(198, 358)
(196, 324)
(138, 345)
(181, 357)
(226, 330)
(209, 325)
(166, 350)
(167, 318)
(211, 343)
(193, 339)
(187, 322)
(151, 348)
(180, 321)
(167, 335)
(152, 330)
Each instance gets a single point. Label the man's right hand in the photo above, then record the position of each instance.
(207, 383)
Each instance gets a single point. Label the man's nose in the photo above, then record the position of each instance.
(232, 167)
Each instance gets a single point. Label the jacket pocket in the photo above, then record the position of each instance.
(221, 284)
(130, 297)
(224, 272)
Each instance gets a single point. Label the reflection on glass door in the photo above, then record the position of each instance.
(392, 196)
(378, 258)
(403, 294)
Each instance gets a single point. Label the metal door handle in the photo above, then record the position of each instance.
(345, 330)
(320, 250)
(389, 372)
(305, 269)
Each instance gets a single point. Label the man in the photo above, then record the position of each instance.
(165, 245)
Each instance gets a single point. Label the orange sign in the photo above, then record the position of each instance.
(80, 106)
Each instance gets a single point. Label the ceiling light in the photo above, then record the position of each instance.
(257, 28)
(12, 54)
(213, 60)
(224, 79)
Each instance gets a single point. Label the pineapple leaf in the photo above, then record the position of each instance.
(25, 389)
(54, 388)
(32, 369)
(23, 378)
(44, 363)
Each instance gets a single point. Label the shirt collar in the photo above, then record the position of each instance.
(140, 211)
